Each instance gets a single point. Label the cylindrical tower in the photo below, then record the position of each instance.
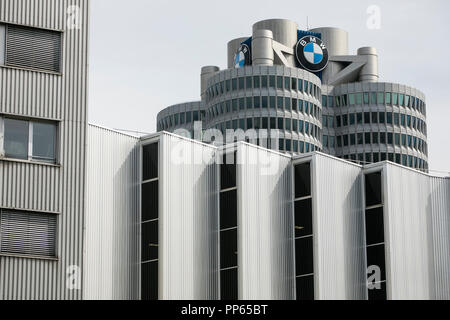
(376, 122)
(206, 73)
(370, 70)
(262, 49)
(284, 31)
(281, 102)
(335, 39)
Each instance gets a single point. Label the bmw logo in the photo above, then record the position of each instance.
(312, 54)
(242, 57)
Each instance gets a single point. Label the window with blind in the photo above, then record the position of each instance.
(31, 48)
(27, 233)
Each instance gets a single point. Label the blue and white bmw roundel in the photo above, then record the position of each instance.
(312, 54)
(239, 60)
(242, 57)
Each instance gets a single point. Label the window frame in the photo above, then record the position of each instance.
(30, 157)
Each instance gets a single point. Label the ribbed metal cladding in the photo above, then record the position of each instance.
(409, 259)
(45, 188)
(188, 213)
(440, 225)
(338, 222)
(265, 224)
(112, 215)
(417, 234)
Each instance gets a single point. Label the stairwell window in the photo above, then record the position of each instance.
(28, 140)
(30, 48)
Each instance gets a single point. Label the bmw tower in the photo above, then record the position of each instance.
(310, 94)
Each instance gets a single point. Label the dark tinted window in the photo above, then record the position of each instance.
(150, 201)
(150, 241)
(376, 257)
(228, 209)
(228, 284)
(374, 226)
(373, 189)
(228, 249)
(228, 172)
(378, 294)
(149, 281)
(305, 288)
(150, 161)
(302, 176)
(303, 218)
(304, 256)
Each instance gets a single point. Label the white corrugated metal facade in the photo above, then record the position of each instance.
(417, 234)
(265, 223)
(47, 188)
(339, 229)
(188, 213)
(111, 250)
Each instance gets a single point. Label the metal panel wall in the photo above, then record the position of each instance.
(338, 216)
(41, 187)
(409, 259)
(440, 225)
(111, 253)
(265, 224)
(189, 212)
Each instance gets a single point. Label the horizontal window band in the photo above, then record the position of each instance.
(25, 256)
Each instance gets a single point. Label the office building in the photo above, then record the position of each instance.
(87, 212)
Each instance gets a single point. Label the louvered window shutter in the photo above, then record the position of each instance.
(33, 48)
(27, 233)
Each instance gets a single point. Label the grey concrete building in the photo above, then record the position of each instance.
(312, 95)
(87, 212)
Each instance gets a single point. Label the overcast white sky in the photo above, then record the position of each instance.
(146, 55)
